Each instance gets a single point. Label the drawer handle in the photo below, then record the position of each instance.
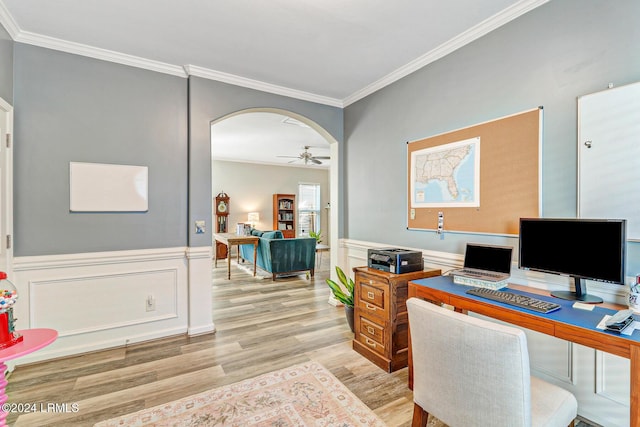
(371, 330)
(371, 295)
(370, 343)
(371, 307)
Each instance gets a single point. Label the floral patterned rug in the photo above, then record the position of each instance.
(301, 395)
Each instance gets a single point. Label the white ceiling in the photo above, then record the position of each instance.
(263, 137)
(333, 52)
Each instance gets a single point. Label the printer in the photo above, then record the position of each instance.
(395, 260)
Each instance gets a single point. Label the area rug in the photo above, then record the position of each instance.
(301, 395)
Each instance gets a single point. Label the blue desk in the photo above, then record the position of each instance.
(568, 323)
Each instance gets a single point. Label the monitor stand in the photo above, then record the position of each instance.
(580, 293)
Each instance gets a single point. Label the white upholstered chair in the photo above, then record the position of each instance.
(472, 372)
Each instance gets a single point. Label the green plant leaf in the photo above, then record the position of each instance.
(350, 286)
(339, 293)
(317, 236)
(347, 285)
(341, 276)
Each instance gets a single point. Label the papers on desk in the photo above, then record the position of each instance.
(626, 331)
(583, 306)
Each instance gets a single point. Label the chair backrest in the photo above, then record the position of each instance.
(468, 371)
(295, 254)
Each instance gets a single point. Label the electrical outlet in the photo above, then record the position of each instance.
(151, 303)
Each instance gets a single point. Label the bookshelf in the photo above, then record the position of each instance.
(284, 214)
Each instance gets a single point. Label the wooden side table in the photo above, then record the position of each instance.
(230, 239)
(32, 340)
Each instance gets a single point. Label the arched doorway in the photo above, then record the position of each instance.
(313, 136)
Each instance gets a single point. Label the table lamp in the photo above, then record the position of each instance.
(253, 218)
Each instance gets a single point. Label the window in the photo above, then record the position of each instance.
(308, 209)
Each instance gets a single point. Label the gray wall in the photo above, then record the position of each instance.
(6, 66)
(210, 100)
(251, 188)
(548, 57)
(73, 108)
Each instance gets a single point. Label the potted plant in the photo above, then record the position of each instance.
(344, 293)
(317, 236)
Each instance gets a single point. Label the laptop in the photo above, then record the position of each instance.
(486, 262)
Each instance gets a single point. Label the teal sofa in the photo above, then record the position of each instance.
(280, 256)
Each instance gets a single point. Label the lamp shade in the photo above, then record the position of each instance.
(254, 217)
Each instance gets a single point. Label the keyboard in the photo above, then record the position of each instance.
(516, 300)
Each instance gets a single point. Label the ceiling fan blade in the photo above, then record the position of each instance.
(321, 157)
(289, 157)
(315, 160)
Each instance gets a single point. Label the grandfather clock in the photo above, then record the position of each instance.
(221, 208)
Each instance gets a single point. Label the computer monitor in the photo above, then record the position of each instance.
(584, 249)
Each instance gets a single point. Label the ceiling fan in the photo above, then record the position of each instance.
(307, 157)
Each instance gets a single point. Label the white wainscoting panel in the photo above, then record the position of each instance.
(612, 377)
(80, 305)
(602, 387)
(98, 300)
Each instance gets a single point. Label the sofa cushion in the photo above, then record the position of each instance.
(255, 232)
(276, 234)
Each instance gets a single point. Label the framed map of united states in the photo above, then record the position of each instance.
(480, 179)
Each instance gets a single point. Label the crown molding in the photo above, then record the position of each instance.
(450, 46)
(194, 70)
(7, 21)
(98, 53)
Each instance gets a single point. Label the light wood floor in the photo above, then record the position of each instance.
(261, 326)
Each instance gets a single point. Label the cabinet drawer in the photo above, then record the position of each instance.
(371, 344)
(373, 298)
(372, 294)
(372, 330)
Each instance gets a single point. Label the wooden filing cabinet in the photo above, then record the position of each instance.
(380, 315)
